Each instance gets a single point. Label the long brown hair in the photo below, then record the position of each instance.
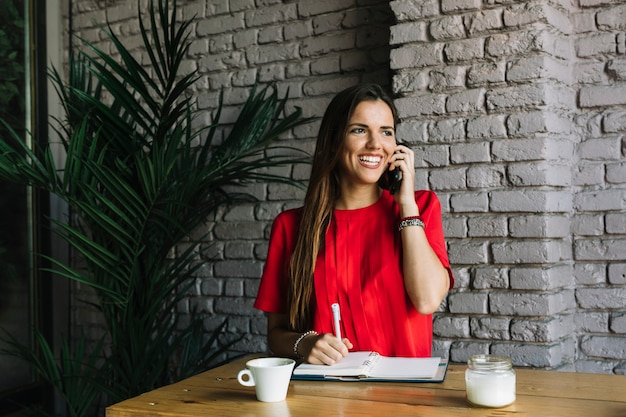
(322, 192)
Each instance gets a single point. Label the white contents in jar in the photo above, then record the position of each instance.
(490, 381)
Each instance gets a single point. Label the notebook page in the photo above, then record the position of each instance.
(405, 368)
(355, 364)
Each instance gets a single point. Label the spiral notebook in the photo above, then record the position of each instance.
(371, 366)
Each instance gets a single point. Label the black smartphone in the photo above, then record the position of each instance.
(391, 180)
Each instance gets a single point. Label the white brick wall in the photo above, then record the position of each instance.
(534, 184)
(517, 110)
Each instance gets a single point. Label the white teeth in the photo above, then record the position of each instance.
(370, 160)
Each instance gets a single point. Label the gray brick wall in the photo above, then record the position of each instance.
(517, 112)
(522, 105)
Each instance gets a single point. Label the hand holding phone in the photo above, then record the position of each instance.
(391, 180)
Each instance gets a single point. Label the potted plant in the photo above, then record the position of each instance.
(138, 180)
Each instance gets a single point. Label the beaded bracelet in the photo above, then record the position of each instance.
(410, 221)
(299, 339)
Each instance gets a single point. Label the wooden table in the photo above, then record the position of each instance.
(539, 394)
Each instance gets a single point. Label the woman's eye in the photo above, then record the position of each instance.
(388, 133)
(358, 130)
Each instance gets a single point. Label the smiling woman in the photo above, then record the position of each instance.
(352, 244)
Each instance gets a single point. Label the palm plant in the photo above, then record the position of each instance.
(139, 179)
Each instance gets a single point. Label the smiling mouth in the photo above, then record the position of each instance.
(370, 160)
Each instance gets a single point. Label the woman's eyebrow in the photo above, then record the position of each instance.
(366, 125)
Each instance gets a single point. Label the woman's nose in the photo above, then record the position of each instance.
(373, 140)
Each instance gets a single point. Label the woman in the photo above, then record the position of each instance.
(381, 256)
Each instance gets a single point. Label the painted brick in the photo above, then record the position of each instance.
(469, 101)
(601, 298)
(532, 149)
(599, 249)
(410, 81)
(412, 131)
(538, 68)
(588, 225)
(592, 322)
(447, 179)
(535, 355)
(467, 302)
(408, 32)
(450, 326)
(584, 21)
(533, 95)
(220, 24)
(417, 56)
(474, 202)
(512, 44)
(326, 44)
(448, 27)
(326, 65)
(483, 21)
(507, 303)
(455, 227)
(529, 174)
(614, 121)
(543, 226)
(492, 126)
(616, 68)
(602, 96)
(447, 131)
(616, 173)
(588, 173)
(486, 176)
(529, 252)
(610, 347)
(601, 200)
(447, 78)
(612, 18)
(534, 201)
(411, 10)
(541, 278)
(596, 44)
(432, 156)
(465, 50)
(233, 306)
(590, 273)
(486, 277)
(618, 323)
(297, 30)
(426, 104)
(467, 253)
(486, 73)
(469, 152)
(238, 268)
(448, 6)
(542, 330)
(238, 230)
(616, 223)
(526, 123)
(492, 328)
(461, 351)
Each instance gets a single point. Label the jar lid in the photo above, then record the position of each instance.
(494, 362)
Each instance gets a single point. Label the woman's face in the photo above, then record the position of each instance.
(369, 143)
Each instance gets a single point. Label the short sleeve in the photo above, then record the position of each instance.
(272, 294)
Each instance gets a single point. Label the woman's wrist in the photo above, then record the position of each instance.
(409, 210)
(298, 341)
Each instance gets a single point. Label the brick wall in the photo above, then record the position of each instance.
(517, 112)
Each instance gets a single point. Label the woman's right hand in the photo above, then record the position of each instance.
(324, 349)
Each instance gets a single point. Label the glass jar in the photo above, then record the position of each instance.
(490, 381)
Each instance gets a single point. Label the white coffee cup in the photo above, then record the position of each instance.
(269, 376)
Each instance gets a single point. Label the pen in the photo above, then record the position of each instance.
(336, 318)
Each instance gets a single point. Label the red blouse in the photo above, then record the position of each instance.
(360, 267)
